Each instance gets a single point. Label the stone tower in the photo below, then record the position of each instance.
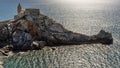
(19, 8)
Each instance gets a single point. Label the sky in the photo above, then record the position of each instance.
(8, 8)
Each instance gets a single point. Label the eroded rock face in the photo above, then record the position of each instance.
(105, 37)
(35, 31)
(4, 33)
(21, 39)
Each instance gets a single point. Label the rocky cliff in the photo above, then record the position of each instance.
(32, 30)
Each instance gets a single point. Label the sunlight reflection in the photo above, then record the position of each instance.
(83, 1)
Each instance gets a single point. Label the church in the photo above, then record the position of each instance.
(29, 11)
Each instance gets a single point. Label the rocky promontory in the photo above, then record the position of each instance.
(32, 30)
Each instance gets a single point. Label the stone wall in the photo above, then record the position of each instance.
(33, 12)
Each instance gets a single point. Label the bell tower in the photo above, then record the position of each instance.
(19, 8)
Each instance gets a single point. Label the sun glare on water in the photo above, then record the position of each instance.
(83, 1)
(88, 4)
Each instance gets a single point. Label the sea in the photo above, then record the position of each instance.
(82, 16)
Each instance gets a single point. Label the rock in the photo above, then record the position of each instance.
(53, 48)
(21, 52)
(32, 30)
(22, 40)
(28, 26)
(5, 54)
(4, 33)
(1, 63)
(8, 48)
(38, 44)
(1, 66)
(105, 37)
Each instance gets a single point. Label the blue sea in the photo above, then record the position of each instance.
(81, 16)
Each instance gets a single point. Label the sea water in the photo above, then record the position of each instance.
(86, 17)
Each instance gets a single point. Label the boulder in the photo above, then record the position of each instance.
(38, 44)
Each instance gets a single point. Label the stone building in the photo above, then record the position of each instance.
(30, 11)
(19, 8)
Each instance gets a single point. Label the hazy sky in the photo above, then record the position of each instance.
(8, 7)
